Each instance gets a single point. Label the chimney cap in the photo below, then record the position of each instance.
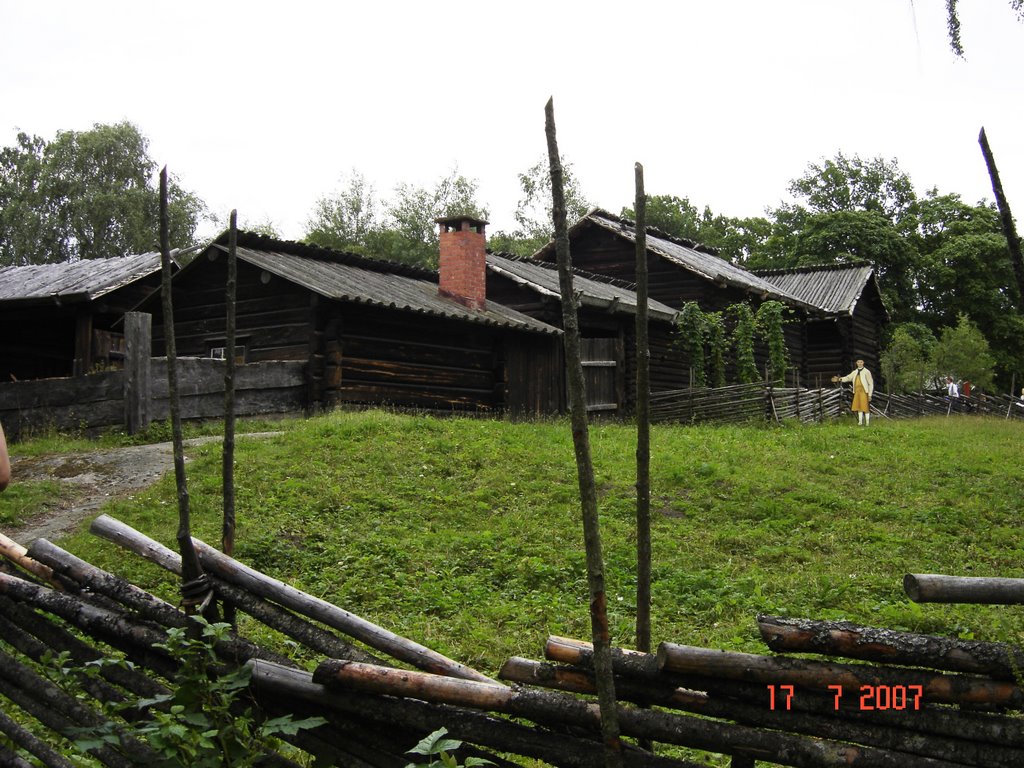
(461, 222)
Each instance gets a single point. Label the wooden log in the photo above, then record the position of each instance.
(18, 555)
(57, 638)
(980, 590)
(26, 740)
(643, 424)
(138, 378)
(559, 749)
(842, 638)
(549, 707)
(760, 714)
(782, 670)
(8, 759)
(936, 719)
(234, 648)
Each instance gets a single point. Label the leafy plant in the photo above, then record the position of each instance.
(692, 330)
(769, 325)
(743, 342)
(437, 749)
(203, 723)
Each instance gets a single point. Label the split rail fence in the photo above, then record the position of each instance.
(906, 700)
(760, 402)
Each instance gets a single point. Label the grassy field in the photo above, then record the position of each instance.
(465, 534)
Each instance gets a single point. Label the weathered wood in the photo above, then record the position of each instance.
(26, 740)
(842, 638)
(228, 448)
(782, 670)
(643, 425)
(584, 462)
(18, 555)
(552, 707)
(138, 381)
(759, 713)
(1005, 216)
(554, 748)
(982, 590)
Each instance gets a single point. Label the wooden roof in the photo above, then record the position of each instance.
(353, 278)
(835, 289)
(592, 290)
(73, 282)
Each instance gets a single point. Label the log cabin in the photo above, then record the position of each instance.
(63, 319)
(834, 316)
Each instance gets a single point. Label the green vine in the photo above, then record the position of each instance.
(743, 342)
(714, 326)
(770, 321)
(692, 330)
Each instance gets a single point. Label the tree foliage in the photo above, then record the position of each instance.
(744, 326)
(406, 231)
(692, 328)
(963, 353)
(953, 23)
(770, 320)
(84, 195)
(907, 359)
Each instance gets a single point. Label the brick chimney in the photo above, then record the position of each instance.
(463, 261)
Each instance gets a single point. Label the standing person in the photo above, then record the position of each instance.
(5, 461)
(863, 388)
(952, 393)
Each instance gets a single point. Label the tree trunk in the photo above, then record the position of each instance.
(584, 463)
(1012, 240)
(228, 533)
(643, 426)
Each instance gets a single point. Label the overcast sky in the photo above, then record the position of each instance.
(264, 106)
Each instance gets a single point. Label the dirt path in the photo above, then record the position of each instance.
(91, 479)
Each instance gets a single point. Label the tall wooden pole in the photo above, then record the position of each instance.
(192, 571)
(584, 464)
(1012, 240)
(643, 426)
(228, 537)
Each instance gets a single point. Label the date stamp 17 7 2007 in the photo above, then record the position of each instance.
(872, 697)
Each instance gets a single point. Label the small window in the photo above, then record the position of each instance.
(220, 353)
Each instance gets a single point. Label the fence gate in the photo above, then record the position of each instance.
(602, 361)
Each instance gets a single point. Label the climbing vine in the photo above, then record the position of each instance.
(714, 332)
(743, 342)
(769, 326)
(692, 329)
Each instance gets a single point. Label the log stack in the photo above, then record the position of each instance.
(855, 696)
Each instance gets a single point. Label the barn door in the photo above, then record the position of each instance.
(601, 373)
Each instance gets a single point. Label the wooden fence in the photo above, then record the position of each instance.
(118, 399)
(761, 402)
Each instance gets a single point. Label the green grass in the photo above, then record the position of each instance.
(465, 534)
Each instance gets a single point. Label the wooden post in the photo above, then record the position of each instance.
(1012, 240)
(191, 571)
(228, 463)
(138, 383)
(584, 463)
(643, 426)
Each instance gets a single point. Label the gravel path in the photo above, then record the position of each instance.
(91, 479)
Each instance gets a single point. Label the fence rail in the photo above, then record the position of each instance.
(762, 402)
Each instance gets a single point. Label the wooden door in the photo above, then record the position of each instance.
(602, 367)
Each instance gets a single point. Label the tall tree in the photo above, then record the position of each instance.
(953, 23)
(86, 194)
(534, 210)
(345, 221)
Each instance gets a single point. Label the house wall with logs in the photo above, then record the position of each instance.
(603, 253)
(361, 354)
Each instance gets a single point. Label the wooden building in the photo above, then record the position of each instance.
(372, 332)
(64, 319)
(851, 328)
(607, 320)
(833, 313)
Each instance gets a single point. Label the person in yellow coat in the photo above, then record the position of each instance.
(863, 388)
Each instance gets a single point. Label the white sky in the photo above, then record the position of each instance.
(263, 106)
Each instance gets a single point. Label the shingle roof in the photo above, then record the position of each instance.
(77, 281)
(695, 258)
(353, 278)
(593, 291)
(835, 288)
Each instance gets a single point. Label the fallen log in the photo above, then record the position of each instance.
(747, 712)
(264, 586)
(781, 670)
(10, 760)
(842, 638)
(683, 730)
(471, 726)
(980, 590)
(937, 719)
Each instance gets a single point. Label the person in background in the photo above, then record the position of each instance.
(952, 393)
(965, 392)
(863, 388)
(5, 461)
